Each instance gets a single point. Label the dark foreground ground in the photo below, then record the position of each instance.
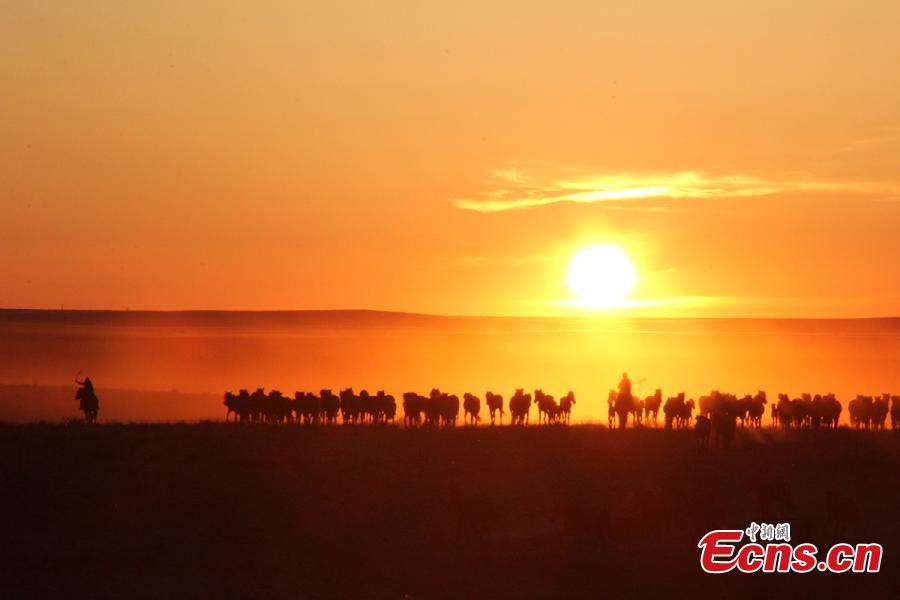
(203, 510)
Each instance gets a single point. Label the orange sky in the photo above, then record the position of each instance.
(450, 157)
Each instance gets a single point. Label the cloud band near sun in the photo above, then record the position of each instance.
(515, 190)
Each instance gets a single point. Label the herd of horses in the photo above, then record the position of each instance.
(437, 409)
(718, 413)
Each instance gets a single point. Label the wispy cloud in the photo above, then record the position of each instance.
(514, 189)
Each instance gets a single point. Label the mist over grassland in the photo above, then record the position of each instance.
(175, 365)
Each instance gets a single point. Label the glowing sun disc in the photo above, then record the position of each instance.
(601, 277)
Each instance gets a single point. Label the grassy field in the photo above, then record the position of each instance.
(208, 509)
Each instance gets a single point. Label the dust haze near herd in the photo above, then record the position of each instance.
(159, 366)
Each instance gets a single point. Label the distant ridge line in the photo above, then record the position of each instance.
(390, 314)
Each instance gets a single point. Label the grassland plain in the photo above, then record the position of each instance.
(206, 509)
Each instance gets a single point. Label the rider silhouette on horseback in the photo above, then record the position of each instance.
(624, 404)
(87, 385)
(87, 399)
(625, 385)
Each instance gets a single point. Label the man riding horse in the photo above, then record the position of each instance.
(624, 401)
(88, 402)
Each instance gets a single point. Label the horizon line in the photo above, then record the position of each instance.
(407, 313)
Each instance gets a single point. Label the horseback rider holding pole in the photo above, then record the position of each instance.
(88, 402)
(624, 401)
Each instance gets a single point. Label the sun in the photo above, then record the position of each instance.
(601, 277)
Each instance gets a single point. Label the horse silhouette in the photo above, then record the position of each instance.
(366, 407)
(384, 408)
(756, 408)
(742, 409)
(803, 410)
(306, 408)
(826, 411)
(441, 409)
(861, 411)
(723, 410)
(350, 406)
(277, 408)
(880, 410)
(433, 408)
(413, 409)
(546, 406)
(449, 409)
(257, 399)
(519, 407)
(652, 405)
(678, 412)
(786, 411)
(329, 405)
(495, 405)
(624, 407)
(471, 408)
(237, 405)
(565, 406)
(637, 410)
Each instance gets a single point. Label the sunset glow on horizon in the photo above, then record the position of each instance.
(451, 159)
